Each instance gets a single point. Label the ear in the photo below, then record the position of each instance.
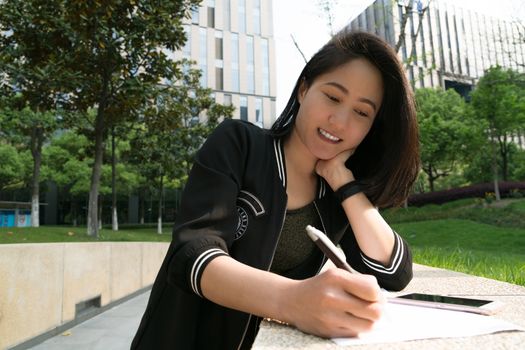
(303, 88)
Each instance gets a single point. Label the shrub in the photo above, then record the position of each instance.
(507, 189)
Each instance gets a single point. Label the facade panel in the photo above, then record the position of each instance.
(448, 45)
(232, 42)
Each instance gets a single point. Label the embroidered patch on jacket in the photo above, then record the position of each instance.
(242, 224)
(252, 201)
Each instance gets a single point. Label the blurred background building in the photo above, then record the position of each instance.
(444, 45)
(232, 43)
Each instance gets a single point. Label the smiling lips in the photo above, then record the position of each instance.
(329, 137)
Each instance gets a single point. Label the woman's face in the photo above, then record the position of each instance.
(338, 109)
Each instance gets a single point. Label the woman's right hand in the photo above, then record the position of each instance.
(334, 303)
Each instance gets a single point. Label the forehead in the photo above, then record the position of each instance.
(358, 76)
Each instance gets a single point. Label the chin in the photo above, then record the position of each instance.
(325, 156)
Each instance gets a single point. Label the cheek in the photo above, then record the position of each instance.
(358, 134)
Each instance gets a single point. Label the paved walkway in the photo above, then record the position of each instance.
(113, 329)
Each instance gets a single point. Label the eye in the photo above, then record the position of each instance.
(361, 113)
(331, 97)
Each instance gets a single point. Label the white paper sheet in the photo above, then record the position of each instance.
(405, 322)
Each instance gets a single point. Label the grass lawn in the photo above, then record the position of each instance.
(78, 234)
(466, 237)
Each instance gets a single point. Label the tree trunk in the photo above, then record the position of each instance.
(142, 207)
(504, 151)
(495, 169)
(404, 20)
(159, 219)
(431, 178)
(37, 139)
(92, 219)
(74, 212)
(114, 216)
(100, 212)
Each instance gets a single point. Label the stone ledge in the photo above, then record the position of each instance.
(43, 282)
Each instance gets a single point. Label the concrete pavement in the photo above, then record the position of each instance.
(113, 329)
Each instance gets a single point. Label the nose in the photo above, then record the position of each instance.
(339, 118)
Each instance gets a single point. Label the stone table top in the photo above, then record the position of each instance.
(274, 336)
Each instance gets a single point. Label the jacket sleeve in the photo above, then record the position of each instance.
(207, 219)
(393, 276)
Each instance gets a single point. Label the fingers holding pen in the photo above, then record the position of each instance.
(335, 303)
(360, 295)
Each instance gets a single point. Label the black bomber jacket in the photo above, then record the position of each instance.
(235, 203)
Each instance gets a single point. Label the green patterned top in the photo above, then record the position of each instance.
(294, 245)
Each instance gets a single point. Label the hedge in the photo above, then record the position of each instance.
(507, 189)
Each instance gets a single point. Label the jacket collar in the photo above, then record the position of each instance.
(278, 147)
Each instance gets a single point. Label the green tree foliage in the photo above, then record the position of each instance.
(29, 129)
(108, 55)
(173, 129)
(67, 162)
(499, 100)
(12, 169)
(447, 132)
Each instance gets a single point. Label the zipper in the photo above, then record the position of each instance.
(281, 168)
(267, 269)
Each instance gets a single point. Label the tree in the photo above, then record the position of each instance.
(174, 128)
(30, 75)
(447, 134)
(499, 100)
(327, 8)
(31, 129)
(68, 163)
(408, 13)
(114, 53)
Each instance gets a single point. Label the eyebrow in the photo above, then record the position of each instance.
(345, 90)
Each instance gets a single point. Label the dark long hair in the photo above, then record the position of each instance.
(387, 160)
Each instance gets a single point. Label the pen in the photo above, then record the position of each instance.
(336, 256)
(328, 248)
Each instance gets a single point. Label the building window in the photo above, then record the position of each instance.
(265, 67)
(250, 71)
(219, 63)
(218, 45)
(242, 16)
(186, 50)
(244, 107)
(257, 17)
(227, 99)
(440, 41)
(203, 56)
(211, 13)
(235, 62)
(449, 42)
(219, 73)
(195, 15)
(259, 112)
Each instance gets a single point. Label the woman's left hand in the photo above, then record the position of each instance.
(334, 170)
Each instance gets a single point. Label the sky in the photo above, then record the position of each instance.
(303, 20)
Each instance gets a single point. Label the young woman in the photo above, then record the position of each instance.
(346, 143)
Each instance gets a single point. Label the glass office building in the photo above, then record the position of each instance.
(444, 45)
(232, 43)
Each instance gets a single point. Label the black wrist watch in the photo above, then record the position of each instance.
(347, 190)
